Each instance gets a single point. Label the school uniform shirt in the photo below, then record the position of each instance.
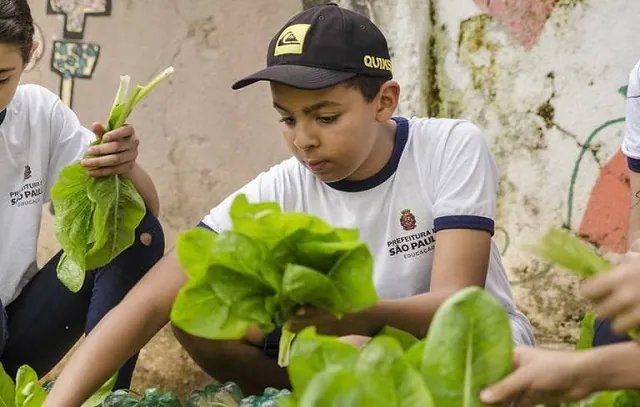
(631, 141)
(39, 135)
(441, 175)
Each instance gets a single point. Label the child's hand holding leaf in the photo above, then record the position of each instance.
(534, 382)
(117, 153)
(615, 296)
(327, 323)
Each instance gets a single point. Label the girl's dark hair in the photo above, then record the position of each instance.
(16, 26)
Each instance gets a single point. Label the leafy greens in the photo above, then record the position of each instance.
(267, 266)
(27, 391)
(96, 218)
(468, 347)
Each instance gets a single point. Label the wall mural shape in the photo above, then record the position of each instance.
(605, 219)
(70, 58)
(523, 19)
(73, 60)
(75, 14)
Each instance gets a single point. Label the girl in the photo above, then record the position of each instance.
(40, 319)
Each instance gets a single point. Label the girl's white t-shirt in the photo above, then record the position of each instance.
(39, 135)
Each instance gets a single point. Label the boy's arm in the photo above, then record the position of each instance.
(122, 332)
(461, 260)
(465, 179)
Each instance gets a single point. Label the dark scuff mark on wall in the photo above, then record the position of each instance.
(441, 100)
(433, 99)
(546, 110)
(570, 4)
(472, 40)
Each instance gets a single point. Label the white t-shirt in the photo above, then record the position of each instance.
(39, 135)
(441, 176)
(631, 141)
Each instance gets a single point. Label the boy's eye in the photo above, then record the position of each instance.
(327, 119)
(289, 121)
(4, 80)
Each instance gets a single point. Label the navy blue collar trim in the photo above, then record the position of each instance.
(400, 141)
(3, 114)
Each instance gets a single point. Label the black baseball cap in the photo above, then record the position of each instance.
(323, 46)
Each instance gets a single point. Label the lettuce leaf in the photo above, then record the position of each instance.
(469, 347)
(564, 248)
(325, 371)
(95, 221)
(7, 389)
(268, 265)
(95, 218)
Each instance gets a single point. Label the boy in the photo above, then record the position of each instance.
(405, 184)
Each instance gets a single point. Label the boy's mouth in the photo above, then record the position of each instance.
(315, 165)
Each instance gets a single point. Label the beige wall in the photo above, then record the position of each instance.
(199, 139)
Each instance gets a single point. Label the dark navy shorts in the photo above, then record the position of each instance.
(271, 345)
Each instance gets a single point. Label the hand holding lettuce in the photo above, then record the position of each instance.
(562, 247)
(263, 270)
(96, 218)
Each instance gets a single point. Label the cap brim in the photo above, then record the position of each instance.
(297, 76)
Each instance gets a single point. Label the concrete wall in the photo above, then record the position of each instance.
(544, 78)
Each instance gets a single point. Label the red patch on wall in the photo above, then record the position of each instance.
(524, 19)
(605, 221)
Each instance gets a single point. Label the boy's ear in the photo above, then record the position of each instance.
(34, 47)
(387, 100)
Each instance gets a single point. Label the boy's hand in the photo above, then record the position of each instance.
(615, 294)
(325, 322)
(116, 155)
(540, 376)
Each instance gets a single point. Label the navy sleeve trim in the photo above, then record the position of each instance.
(634, 164)
(464, 222)
(204, 225)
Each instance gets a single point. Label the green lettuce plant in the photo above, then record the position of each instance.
(96, 217)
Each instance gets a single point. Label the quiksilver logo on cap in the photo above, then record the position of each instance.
(291, 40)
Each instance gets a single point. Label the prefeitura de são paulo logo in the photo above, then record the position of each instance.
(407, 220)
